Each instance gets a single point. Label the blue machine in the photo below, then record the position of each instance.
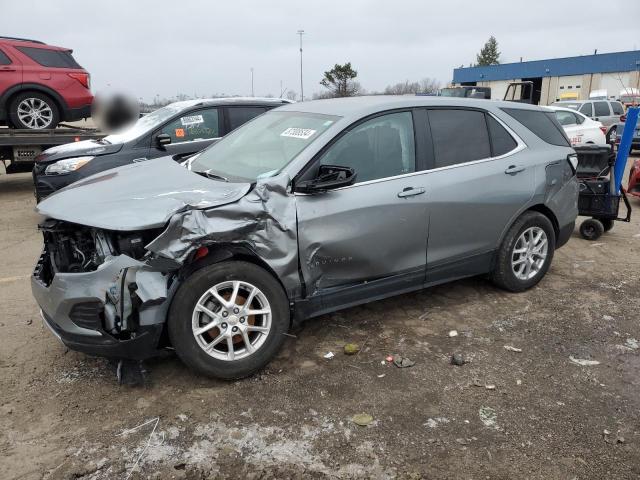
(625, 146)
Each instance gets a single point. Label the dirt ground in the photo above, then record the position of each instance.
(504, 415)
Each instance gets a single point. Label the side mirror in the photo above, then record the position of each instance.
(162, 140)
(329, 177)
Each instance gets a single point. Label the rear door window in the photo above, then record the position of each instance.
(194, 125)
(617, 108)
(50, 58)
(565, 118)
(543, 124)
(501, 141)
(601, 109)
(4, 60)
(459, 136)
(586, 109)
(239, 115)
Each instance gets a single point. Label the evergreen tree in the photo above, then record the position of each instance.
(339, 80)
(489, 54)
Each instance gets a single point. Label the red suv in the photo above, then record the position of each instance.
(41, 85)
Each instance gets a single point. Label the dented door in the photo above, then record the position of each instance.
(362, 233)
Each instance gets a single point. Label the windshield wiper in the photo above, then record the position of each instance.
(213, 176)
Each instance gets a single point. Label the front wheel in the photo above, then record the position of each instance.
(525, 253)
(228, 320)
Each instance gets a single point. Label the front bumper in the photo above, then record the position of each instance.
(74, 307)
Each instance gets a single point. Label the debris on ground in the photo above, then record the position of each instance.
(584, 362)
(130, 372)
(434, 422)
(632, 343)
(351, 348)
(403, 362)
(477, 383)
(362, 419)
(490, 386)
(458, 359)
(453, 333)
(389, 358)
(488, 417)
(381, 375)
(518, 382)
(607, 318)
(512, 349)
(329, 355)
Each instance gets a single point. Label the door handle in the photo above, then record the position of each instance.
(7, 69)
(513, 169)
(410, 192)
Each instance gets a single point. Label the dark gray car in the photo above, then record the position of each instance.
(307, 209)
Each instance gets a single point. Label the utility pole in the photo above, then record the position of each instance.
(252, 94)
(301, 32)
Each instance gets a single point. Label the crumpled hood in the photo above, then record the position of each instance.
(138, 196)
(77, 149)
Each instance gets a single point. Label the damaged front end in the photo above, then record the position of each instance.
(97, 293)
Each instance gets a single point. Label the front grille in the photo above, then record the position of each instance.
(87, 315)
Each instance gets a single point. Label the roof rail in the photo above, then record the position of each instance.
(2, 37)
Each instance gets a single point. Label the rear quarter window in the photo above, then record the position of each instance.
(50, 58)
(617, 108)
(543, 124)
(4, 60)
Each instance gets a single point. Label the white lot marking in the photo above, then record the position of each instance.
(13, 279)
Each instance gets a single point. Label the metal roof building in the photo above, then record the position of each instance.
(559, 78)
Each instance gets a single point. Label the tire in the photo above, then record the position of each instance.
(608, 136)
(607, 223)
(591, 229)
(49, 114)
(191, 348)
(504, 273)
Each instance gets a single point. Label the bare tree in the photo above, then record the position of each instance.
(426, 85)
(291, 95)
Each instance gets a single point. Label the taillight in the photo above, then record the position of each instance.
(623, 118)
(604, 129)
(83, 78)
(572, 158)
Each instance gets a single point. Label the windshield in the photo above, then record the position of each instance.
(146, 123)
(262, 147)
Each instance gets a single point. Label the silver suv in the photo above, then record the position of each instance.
(307, 209)
(607, 112)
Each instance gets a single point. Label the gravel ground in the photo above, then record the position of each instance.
(505, 414)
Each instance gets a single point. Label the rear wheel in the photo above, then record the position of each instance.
(591, 229)
(34, 111)
(526, 253)
(227, 320)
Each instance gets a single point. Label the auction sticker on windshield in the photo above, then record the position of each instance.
(294, 132)
(191, 120)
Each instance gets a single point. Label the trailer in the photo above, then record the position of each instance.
(19, 148)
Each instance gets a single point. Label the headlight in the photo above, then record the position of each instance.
(67, 165)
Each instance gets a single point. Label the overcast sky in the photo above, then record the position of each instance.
(208, 47)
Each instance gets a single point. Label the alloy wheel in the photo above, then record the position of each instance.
(35, 113)
(231, 320)
(529, 253)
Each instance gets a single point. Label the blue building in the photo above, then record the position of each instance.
(570, 78)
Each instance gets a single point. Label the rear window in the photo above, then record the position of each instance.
(543, 124)
(617, 108)
(50, 58)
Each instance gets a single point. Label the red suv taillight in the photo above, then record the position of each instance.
(83, 78)
(623, 118)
